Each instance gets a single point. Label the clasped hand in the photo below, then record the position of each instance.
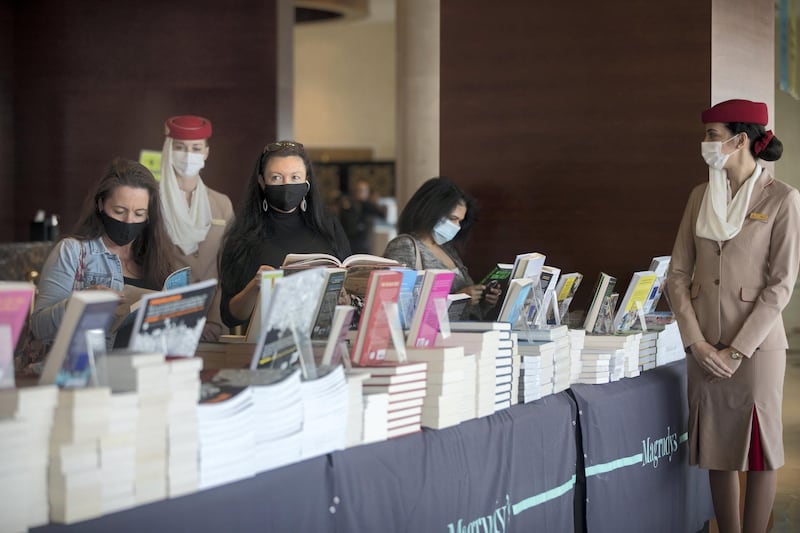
(716, 364)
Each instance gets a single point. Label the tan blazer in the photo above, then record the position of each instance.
(734, 294)
(204, 261)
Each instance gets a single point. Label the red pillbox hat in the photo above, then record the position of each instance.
(737, 111)
(187, 128)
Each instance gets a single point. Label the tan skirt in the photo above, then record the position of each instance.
(721, 413)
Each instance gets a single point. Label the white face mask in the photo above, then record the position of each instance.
(712, 153)
(187, 164)
(445, 231)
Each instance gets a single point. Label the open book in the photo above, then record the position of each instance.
(293, 261)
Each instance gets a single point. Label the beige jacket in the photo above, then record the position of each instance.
(733, 294)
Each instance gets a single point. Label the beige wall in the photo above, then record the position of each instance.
(786, 124)
(345, 86)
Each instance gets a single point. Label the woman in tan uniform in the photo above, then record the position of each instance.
(195, 216)
(733, 269)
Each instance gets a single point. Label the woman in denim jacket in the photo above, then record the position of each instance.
(119, 240)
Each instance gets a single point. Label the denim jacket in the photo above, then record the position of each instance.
(60, 277)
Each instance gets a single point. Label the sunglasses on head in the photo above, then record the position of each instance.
(280, 145)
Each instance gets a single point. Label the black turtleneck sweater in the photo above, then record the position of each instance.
(291, 235)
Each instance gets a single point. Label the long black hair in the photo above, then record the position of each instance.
(152, 249)
(251, 227)
(433, 201)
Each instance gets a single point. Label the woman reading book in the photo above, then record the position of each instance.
(733, 270)
(281, 213)
(119, 243)
(433, 227)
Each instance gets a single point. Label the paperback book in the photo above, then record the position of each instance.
(171, 322)
(15, 304)
(633, 305)
(334, 284)
(432, 300)
(374, 327)
(288, 321)
(82, 334)
(602, 291)
(297, 261)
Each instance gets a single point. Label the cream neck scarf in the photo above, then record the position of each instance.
(720, 217)
(187, 226)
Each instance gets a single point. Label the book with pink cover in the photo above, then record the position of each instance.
(15, 304)
(425, 325)
(374, 331)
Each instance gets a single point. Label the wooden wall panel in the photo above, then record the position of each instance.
(576, 128)
(93, 81)
(6, 122)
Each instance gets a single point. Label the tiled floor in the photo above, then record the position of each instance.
(787, 500)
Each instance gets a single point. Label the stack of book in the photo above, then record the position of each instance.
(625, 364)
(450, 390)
(182, 425)
(538, 368)
(484, 340)
(503, 356)
(514, 371)
(118, 453)
(324, 412)
(277, 412)
(669, 346)
(376, 416)
(647, 350)
(355, 407)
(595, 366)
(26, 417)
(147, 374)
(226, 428)
(405, 385)
(75, 485)
(562, 360)
(577, 340)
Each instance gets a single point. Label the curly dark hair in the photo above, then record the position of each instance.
(433, 201)
(151, 250)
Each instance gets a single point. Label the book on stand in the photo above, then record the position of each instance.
(171, 322)
(409, 294)
(518, 291)
(334, 283)
(337, 339)
(548, 279)
(286, 330)
(425, 323)
(373, 336)
(269, 278)
(635, 300)
(71, 360)
(659, 265)
(565, 291)
(528, 265)
(15, 305)
(603, 289)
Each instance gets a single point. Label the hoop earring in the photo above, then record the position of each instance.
(303, 205)
(265, 205)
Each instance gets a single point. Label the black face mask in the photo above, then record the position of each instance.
(286, 197)
(120, 232)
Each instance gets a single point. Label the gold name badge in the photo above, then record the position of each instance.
(759, 216)
(217, 221)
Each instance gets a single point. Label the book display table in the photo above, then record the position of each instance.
(520, 469)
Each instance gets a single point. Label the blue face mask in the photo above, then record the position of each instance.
(445, 231)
